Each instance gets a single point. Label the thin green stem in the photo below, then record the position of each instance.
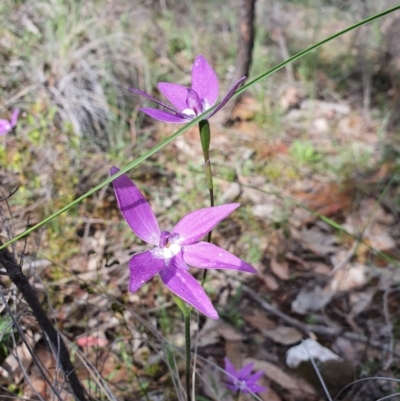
(124, 170)
(237, 395)
(186, 316)
(188, 356)
(166, 141)
(313, 47)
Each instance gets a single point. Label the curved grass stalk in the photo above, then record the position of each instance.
(168, 140)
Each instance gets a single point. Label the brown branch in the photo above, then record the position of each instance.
(246, 25)
(14, 271)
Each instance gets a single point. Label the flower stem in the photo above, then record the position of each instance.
(205, 139)
(237, 395)
(188, 355)
(186, 316)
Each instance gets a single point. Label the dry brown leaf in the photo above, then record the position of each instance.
(19, 356)
(269, 395)
(228, 332)
(290, 256)
(354, 276)
(208, 334)
(280, 269)
(359, 301)
(318, 242)
(259, 321)
(269, 281)
(308, 301)
(289, 98)
(321, 268)
(37, 384)
(234, 351)
(288, 381)
(284, 335)
(246, 109)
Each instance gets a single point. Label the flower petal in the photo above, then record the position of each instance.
(143, 266)
(135, 209)
(5, 127)
(182, 284)
(197, 224)
(230, 369)
(14, 117)
(232, 387)
(176, 94)
(144, 94)
(204, 81)
(251, 382)
(254, 388)
(164, 116)
(252, 379)
(245, 372)
(209, 256)
(225, 100)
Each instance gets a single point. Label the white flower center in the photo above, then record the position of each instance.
(189, 113)
(171, 250)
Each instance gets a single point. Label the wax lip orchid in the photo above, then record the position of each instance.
(174, 250)
(6, 126)
(188, 103)
(243, 380)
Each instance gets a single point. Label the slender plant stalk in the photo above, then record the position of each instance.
(196, 120)
(205, 139)
(186, 316)
(237, 395)
(188, 356)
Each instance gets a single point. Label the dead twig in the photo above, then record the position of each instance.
(246, 22)
(389, 356)
(14, 271)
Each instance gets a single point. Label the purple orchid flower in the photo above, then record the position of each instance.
(188, 103)
(173, 250)
(242, 380)
(6, 126)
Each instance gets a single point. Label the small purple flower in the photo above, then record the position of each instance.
(174, 250)
(6, 126)
(242, 380)
(188, 103)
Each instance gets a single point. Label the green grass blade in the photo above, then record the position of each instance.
(313, 47)
(168, 140)
(134, 163)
